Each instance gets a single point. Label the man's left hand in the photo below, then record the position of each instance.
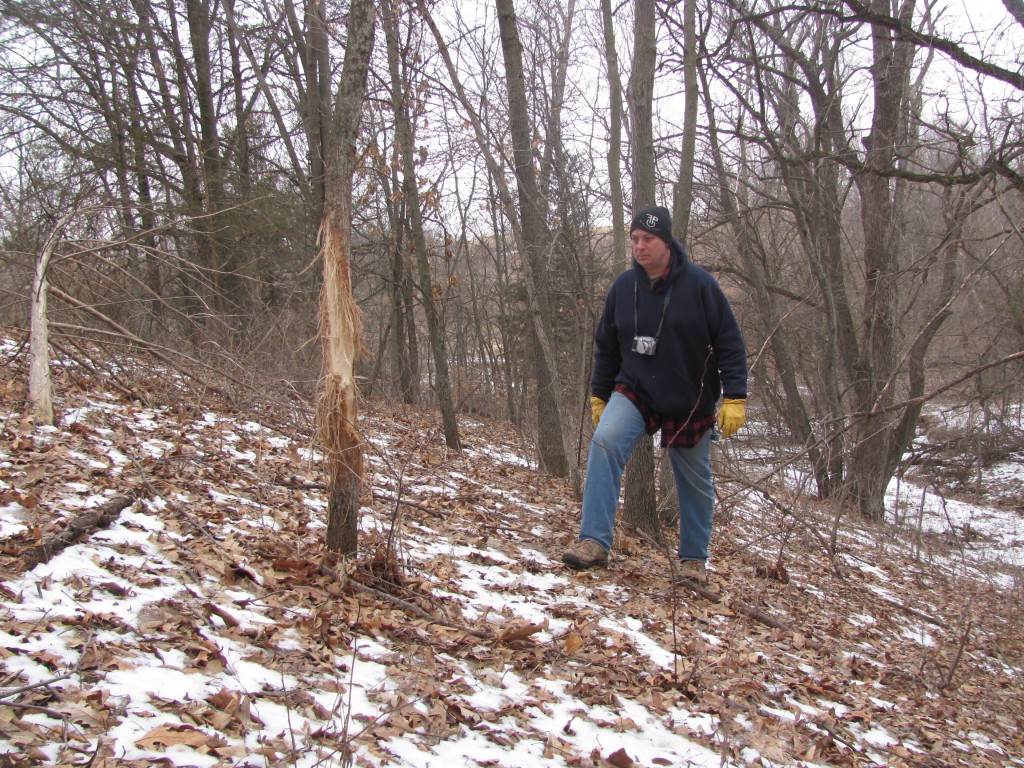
(732, 415)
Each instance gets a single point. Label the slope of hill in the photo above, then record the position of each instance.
(195, 619)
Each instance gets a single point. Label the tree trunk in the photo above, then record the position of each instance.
(404, 140)
(316, 63)
(340, 325)
(553, 438)
(682, 197)
(40, 384)
(874, 431)
(641, 103)
(617, 199)
(404, 349)
(682, 202)
(210, 165)
(640, 502)
(1015, 9)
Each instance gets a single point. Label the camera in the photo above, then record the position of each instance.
(644, 345)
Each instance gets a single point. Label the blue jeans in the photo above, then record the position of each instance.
(620, 429)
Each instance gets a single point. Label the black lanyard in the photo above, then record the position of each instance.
(664, 309)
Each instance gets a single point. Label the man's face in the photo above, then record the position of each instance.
(650, 251)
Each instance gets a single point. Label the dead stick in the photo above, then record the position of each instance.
(912, 611)
(735, 604)
(4, 694)
(176, 508)
(98, 517)
(959, 655)
(404, 604)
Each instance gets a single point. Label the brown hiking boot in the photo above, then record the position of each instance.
(585, 554)
(693, 570)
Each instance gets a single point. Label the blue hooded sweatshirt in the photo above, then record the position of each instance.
(700, 354)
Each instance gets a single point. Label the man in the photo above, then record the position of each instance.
(666, 348)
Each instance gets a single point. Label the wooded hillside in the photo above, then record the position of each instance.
(168, 599)
(216, 216)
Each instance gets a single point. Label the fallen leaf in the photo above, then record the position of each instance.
(518, 631)
(172, 735)
(620, 759)
(573, 642)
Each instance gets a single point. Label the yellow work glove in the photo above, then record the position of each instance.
(596, 408)
(732, 415)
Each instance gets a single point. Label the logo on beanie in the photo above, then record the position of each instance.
(651, 220)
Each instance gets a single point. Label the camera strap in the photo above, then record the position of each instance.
(664, 310)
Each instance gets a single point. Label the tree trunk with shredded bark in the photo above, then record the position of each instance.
(340, 321)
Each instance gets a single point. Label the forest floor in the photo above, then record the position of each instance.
(834, 641)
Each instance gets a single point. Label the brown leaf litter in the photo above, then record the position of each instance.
(872, 635)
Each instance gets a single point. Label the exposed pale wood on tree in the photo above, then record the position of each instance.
(40, 385)
(340, 319)
(337, 411)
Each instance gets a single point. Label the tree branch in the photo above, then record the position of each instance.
(861, 12)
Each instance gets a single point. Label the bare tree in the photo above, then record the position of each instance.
(552, 434)
(616, 197)
(529, 229)
(40, 383)
(639, 508)
(817, 198)
(682, 199)
(339, 318)
(875, 448)
(865, 304)
(404, 138)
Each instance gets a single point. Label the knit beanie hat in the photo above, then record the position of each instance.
(654, 219)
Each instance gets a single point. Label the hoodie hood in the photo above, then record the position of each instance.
(679, 259)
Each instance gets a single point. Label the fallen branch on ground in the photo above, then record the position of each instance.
(404, 604)
(735, 604)
(93, 519)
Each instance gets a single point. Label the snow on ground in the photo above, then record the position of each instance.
(195, 630)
